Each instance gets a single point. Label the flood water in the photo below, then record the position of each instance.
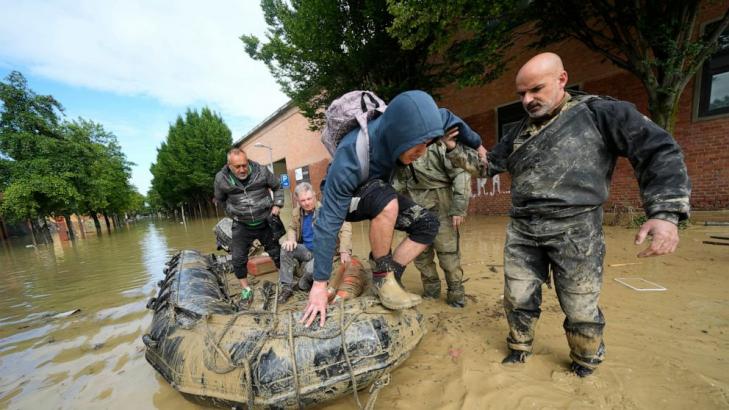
(665, 349)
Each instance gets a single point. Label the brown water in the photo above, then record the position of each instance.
(666, 350)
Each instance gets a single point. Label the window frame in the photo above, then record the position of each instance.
(702, 84)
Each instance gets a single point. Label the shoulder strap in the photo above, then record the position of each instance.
(363, 154)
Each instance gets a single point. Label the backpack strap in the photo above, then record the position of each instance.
(362, 146)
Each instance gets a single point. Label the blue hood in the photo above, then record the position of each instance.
(411, 118)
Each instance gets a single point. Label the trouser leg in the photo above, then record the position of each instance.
(577, 268)
(272, 247)
(449, 259)
(428, 273)
(241, 241)
(290, 260)
(525, 270)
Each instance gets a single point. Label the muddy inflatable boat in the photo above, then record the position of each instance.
(259, 356)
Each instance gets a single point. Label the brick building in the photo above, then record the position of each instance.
(702, 127)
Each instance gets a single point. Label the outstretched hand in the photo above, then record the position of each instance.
(449, 139)
(318, 298)
(664, 237)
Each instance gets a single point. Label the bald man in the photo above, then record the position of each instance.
(561, 159)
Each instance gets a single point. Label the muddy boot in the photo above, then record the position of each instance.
(456, 296)
(285, 294)
(515, 357)
(391, 295)
(580, 370)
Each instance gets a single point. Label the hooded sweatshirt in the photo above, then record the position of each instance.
(411, 118)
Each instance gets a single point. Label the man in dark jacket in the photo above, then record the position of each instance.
(561, 159)
(245, 188)
(400, 135)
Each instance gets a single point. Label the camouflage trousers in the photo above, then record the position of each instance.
(573, 250)
(449, 259)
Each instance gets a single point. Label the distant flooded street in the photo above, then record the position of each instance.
(665, 349)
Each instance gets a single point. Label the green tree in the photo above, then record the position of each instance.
(51, 167)
(657, 41)
(320, 49)
(188, 160)
(36, 182)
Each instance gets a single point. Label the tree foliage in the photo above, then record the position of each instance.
(657, 41)
(188, 160)
(53, 167)
(320, 49)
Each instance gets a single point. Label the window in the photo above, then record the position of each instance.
(509, 116)
(714, 87)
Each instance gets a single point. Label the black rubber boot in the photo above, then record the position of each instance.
(515, 357)
(580, 370)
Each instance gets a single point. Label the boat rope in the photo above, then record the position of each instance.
(383, 381)
(249, 384)
(292, 348)
(212, 344)
(342, 334)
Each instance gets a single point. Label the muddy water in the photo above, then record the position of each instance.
(666, 349)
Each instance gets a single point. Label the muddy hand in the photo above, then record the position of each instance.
(457, 221)
(449, 139)
(318, 298)
(482, 156)
(665, 237)
(345, 257)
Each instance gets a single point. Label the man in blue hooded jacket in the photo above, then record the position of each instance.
(398, 137)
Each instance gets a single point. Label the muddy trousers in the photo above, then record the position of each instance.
(290, 260)
(242, 240)
(573, 249)
(449, 259)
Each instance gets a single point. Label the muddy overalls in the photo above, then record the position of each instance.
(561, 172)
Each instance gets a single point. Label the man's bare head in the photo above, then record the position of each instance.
(540, 84)
(238, 163)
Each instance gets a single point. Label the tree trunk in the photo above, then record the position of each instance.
(3, 230)
(182, 210)
(32, 232)
(81, 227)
(108, 225)
(47, 231)
(199, 207)
(663, 108)
(69, 225)
(114, 221)
(97, 225)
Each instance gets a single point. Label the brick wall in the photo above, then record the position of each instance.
(705, 142)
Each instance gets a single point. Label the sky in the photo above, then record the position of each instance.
(135, 65)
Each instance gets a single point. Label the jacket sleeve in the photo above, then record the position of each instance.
(292, 234)
(275, 185)
(461, 184)
(655, 156)
(466, 135)
(342, 181)
(345, 238)
(220, 195)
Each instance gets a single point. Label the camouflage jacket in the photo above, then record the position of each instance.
(434, 183)
(565, 167)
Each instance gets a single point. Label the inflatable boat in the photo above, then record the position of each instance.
(218, 353)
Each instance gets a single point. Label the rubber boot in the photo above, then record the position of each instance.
(515, 357)
(392, 296)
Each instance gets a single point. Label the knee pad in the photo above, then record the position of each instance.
(424, 229)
